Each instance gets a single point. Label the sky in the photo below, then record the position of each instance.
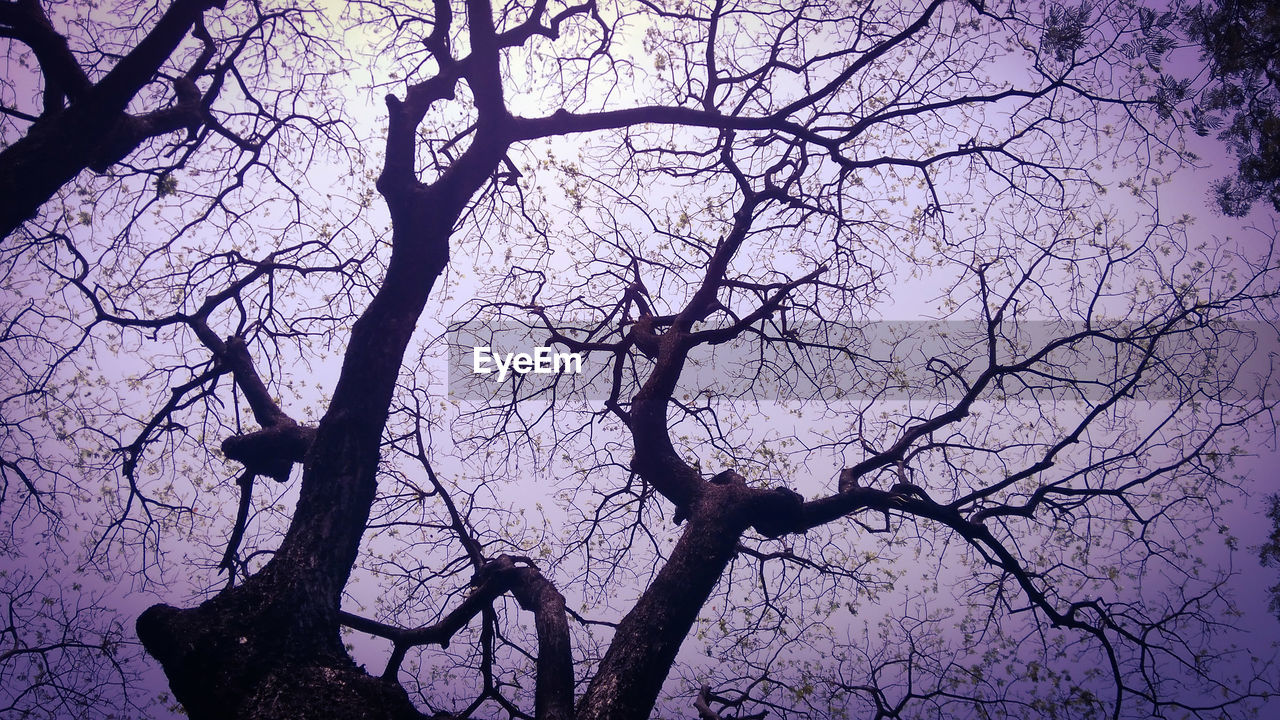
(911, 298)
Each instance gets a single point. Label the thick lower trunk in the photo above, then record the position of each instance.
(261, 651)
(644, 648)
(270, 648)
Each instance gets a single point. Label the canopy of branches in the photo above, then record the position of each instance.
(889, 385)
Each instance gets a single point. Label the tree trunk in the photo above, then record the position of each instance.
(65, 141)
(270, 648)
(644, 648)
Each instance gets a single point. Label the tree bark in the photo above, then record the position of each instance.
(632, 673)
(93, 130)
(270, 648)
(262, 649)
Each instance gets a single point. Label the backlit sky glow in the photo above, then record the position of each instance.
(530, 480)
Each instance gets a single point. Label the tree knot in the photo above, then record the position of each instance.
(778, 511)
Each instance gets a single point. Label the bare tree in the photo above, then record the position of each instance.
(63, 653)
(74, 113)
(711, 203)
